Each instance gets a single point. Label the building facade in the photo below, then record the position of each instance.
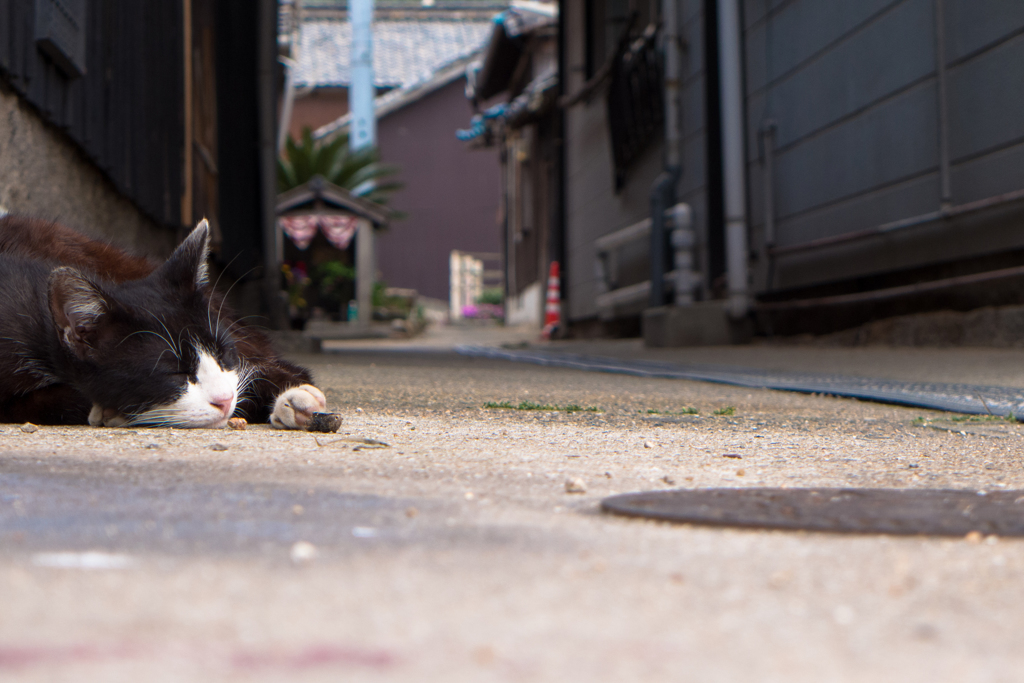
(450, 195)
(841, 161)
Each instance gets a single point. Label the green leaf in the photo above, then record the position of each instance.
(338, 164)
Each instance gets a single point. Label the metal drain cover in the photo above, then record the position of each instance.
(884, 511)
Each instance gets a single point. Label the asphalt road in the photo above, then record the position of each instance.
(456, 553)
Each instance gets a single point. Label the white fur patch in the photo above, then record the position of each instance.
(202, 269)
(207, 402)
(294, 408)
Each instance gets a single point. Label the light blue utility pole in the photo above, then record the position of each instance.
(363, 129)
(363, 133)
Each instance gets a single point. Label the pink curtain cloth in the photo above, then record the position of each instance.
(339, 230)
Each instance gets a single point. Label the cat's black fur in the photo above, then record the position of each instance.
(78, 327)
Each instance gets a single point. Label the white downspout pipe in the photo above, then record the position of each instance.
(733, 157)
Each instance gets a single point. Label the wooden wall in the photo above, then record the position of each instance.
(126, 111)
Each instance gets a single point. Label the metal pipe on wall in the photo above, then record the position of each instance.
(768, 159)
(663, 192)
(733, 157)
(940, 72)
(1014, 197)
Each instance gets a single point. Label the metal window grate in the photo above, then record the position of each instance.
(635, 101)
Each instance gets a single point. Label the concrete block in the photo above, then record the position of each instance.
(702, 324)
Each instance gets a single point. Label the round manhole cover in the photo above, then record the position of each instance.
(886, 511)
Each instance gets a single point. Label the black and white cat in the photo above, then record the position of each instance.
(90, 334)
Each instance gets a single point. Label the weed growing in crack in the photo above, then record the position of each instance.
(530, 405)
(684, 411)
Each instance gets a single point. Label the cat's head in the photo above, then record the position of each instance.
(154, 350)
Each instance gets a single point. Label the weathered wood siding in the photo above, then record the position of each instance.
(126, 111)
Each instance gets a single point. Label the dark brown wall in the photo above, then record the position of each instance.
(320, 107)
(451, 193)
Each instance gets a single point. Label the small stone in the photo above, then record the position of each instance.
(237, 423)
(576, 485)
(152, 446)
(29, 428)
(736, 456)
(297, 509)
(324, 422)
(648, 444)
(359, 410)
(992, 540)
(303, 552)
(469, 495)
(973, 537)
(607, 475)
(218, 447)
(740, 472)
(411, 512)
(668, 480)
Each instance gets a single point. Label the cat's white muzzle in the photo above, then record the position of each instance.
(207, 403)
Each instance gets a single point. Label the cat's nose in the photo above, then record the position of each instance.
(223, 403)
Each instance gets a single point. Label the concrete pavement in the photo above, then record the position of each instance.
(456, 554)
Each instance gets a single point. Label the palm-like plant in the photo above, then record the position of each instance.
(360, 172)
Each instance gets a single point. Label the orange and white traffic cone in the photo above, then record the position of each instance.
(553, 309)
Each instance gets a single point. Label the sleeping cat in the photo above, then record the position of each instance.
(90, 334)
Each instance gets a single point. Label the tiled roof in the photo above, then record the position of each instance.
(404, 51)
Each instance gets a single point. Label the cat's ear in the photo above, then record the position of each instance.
(77, 307)
(187, 265)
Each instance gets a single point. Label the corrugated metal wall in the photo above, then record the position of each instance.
(126, 111)
(853, 90)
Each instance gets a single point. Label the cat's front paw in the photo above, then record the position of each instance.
(106, 417)
(294, 407)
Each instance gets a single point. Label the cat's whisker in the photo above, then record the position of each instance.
(158, 361)
(228, 329)
(157, 418)
(170, 346)
(224, 298)
(214, 289)
(175, 349)
(264, 379)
